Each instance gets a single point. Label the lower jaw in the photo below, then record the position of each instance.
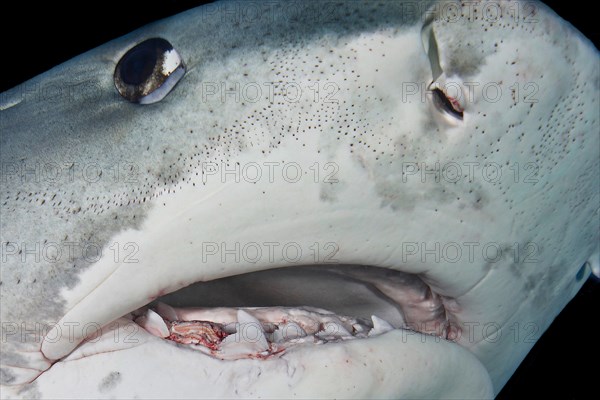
(396, 364)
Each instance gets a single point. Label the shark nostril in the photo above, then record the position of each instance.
(148, 71)
(447, 104)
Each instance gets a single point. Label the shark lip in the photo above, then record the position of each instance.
(285, 307)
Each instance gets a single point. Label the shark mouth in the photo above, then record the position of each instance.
(264, 314)
(314, 331)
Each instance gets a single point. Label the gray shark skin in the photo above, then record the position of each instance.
(85, 171)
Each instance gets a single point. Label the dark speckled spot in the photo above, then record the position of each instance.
(109, 382)
(464, 62)
(329, 192)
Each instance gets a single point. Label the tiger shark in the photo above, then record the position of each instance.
(385, 199)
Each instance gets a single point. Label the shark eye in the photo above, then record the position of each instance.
(447, 104)
(148, 71)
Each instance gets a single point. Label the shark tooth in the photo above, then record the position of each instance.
(380, 326)
(153, 323)
(249, 338)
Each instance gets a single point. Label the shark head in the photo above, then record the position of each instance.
(376, 199)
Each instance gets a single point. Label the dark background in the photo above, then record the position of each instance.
(37, 37)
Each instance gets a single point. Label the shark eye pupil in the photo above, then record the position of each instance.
(148, 71)
(138, 64)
